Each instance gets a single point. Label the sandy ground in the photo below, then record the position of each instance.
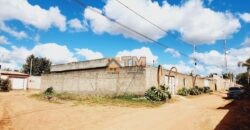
(19, 112)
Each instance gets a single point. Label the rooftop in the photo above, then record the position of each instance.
(13, 73)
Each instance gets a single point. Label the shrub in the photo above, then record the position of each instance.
(194, 91)
(183, 92)
(49, 91)
(207, 90)
(5, 85)
(165, 90)
(155, 94)
(201, 90)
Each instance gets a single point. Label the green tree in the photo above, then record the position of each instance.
(228, 76)
(246, 64)
(212, 74)
(39, 65)
(243, 78)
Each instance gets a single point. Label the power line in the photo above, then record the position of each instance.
(141, 16)
(128, 28)
(163, 30)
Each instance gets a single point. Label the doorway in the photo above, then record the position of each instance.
(171, 84)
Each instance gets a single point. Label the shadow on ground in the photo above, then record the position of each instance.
(238, 117)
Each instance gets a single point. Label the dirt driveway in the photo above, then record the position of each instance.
(19, 112)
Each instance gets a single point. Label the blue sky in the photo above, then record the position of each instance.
(46, 28)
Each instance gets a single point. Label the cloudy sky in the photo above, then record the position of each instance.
(65, 31)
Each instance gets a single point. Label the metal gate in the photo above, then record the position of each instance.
(171, 84)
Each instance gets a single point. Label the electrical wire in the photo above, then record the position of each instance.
(133, 30)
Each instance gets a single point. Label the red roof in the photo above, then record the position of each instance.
(14, 74)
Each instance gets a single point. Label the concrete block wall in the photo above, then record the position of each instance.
(151, 79)
(96, 81)
(34, 82)
(223, 84)
(102, 82)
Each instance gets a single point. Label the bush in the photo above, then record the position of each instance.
(5, 85)
(165, 90)
(49, 91)
(194, 91)
(201, 90)
(207, 90)
(155, 94)
(183, 92)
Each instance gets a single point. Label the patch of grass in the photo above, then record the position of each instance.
(42, 97)
(125, 100)
(37, 95)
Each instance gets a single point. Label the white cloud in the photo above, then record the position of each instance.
(185, 68)
(77, 26)
(196, 23)
(213, 69)
(33, 15)
(4, 40)
(14, 58)
(18, 35)
(144, 51)
(246, 42)
(88, 54)
(56, 53)
(173, 52)
(12, 66)
(216, 59)
(245, 17)
(181, 67)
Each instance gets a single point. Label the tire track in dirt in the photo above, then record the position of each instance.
(5, 122)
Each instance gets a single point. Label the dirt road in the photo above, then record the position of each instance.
(19, 112)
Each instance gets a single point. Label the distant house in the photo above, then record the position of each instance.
(18, 80)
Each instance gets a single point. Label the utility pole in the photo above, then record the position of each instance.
(194, 61)
(248, 78)
(194, 72)
(0, 70)
(1, 66)
(225, 55)
(31, 66)
(225, 60)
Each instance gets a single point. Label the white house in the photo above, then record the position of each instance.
(18, 80)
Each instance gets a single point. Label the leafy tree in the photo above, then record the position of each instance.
(246, 64)
(212, 74)
(39, 65)
(228, 76)
(242, 78)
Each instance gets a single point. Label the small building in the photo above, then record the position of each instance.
(222, 84)
(107, 77)
(19, 81)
